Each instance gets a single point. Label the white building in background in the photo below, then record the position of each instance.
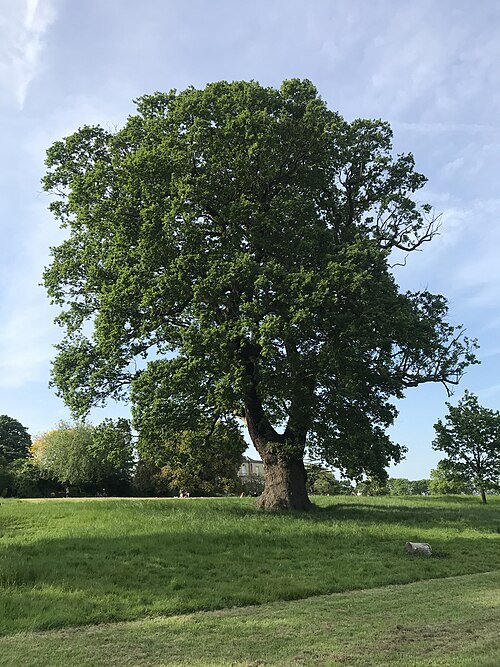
(251, 468)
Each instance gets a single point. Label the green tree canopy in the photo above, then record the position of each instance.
(86, 456)
(28, 480)
(420, 487)
(192, 462)
(237, 239)
(15, 440)
(470, 437)
(322, 482)
(447, 479)
(400, 486)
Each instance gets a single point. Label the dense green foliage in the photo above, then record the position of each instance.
(400, 486)
(14, 440)
(322, 482)
(252, 485)
(15, 472)
(191, 462)
(28, 479)
(237, 239)
(470, 437)
(72, 562)
(446, 479)
(90, 458)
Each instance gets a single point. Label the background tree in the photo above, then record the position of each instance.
(28, 480)
(15, 440)
(420, 487)
(252, 485)
(147, 480)
(5, 478)
(399, 486)
(237, 238)
(112, 450)
(192, 462)
(14, 446)
(89, 458)
(447, 479)
(372, 486)
(320, 481)
(470, 437)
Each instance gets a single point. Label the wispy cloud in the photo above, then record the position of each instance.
(439, 127)
(23, 25)
(462, 261)
(489, 392)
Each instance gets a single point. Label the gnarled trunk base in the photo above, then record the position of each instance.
(285, 485)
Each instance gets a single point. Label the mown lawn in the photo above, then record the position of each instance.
(438, 623)
(67, 563)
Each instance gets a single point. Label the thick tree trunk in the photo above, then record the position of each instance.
(483, 496)
(285, 485)
(282, 453)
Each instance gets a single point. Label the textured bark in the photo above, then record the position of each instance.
(483, 496)
(285, 485)
(284, 475)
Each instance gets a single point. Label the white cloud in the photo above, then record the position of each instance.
(454, 165)
(23, 25)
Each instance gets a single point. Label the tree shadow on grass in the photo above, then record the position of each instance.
(423, 512)
(420, 513)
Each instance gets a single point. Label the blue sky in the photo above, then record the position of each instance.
(430, 68)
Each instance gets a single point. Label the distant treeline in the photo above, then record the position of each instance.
(84, 459)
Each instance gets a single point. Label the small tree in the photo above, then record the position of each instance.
(400, 486)
(111, 449)
(378, 485)
(28, 479)
(5, 478)
(470, 437)
(147, 480)
(15, 440)
(252, 485)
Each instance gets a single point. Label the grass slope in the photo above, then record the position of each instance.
(65, 563)
(448, 622)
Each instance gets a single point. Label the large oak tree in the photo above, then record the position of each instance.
(238, 240)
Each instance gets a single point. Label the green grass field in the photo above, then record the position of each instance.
(140, 573)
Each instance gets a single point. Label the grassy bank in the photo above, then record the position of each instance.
(65, 563)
